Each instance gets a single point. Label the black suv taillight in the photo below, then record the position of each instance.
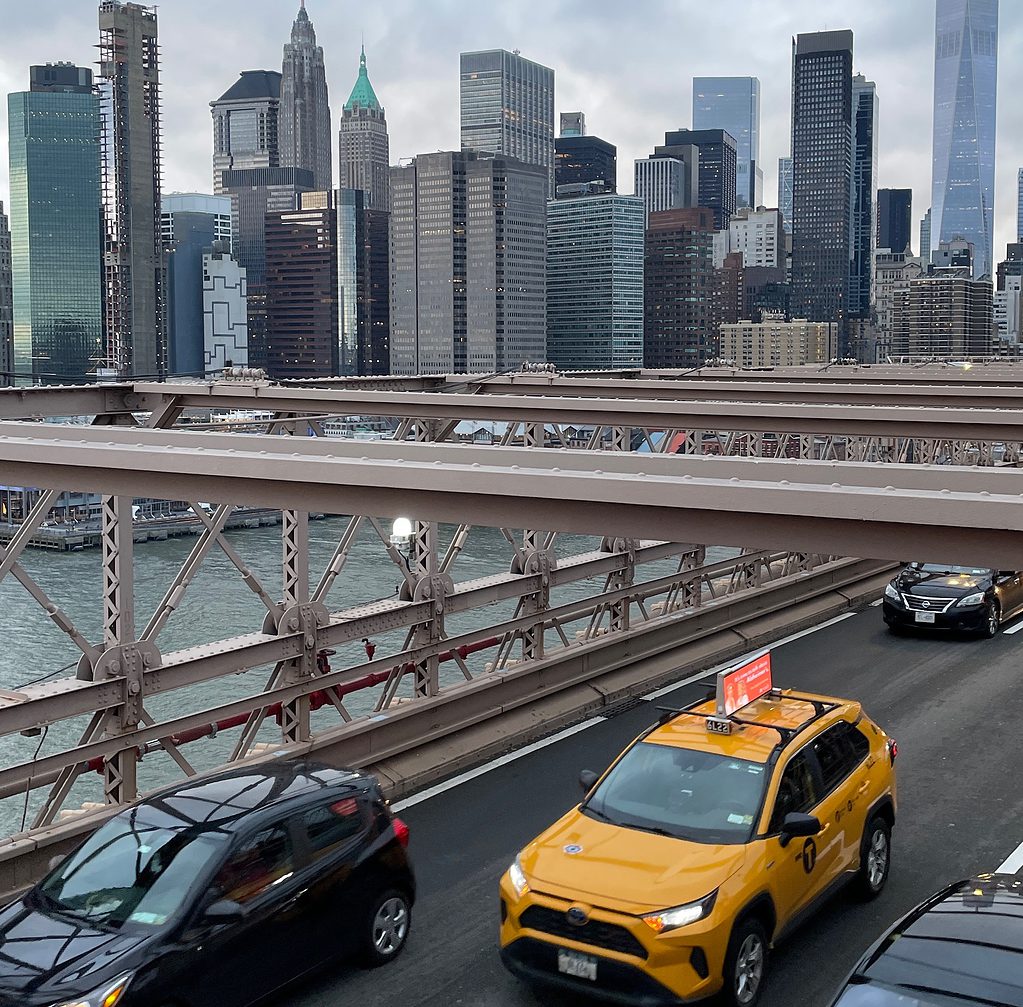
(401, 832)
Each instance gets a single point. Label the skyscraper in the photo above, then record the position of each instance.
(785, 191)
(864, 195)
(468, 256)
(665, 183)
(573, 124)
(595, 282)
(822, 162)
(245, 124)
(364, 159)
(6, 304)
(965, 86)
(733, 104)
(305, 134)
(56, 225)
(507, 107)
(224, 310)
(190, 223)
(247, 167)
(581, 159)
(681, 320)
(716, 168)
(895, 219)
(925, 238)
(1019, 205)
(129, 60)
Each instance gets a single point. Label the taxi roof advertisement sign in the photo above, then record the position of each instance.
(741, 686)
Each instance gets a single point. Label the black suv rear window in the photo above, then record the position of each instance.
(330, 826)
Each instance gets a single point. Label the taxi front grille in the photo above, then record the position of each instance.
(593, 932)
(917, 604)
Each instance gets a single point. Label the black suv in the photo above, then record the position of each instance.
(940, 596)
(962, 946)
(218, 891)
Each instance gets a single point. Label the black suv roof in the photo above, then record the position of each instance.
(964, 942)
(226, 800)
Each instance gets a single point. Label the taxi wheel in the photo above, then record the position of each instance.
(386, 928)
(745, 963)
(875, 859)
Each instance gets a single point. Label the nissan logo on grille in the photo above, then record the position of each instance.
(576, 917)
(926, 604)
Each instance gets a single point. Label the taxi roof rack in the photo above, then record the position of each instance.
(820, 708)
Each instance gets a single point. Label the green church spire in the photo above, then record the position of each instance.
(363, 93)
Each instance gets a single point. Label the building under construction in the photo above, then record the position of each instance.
(134, 307)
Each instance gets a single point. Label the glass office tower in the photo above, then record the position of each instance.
(965, 86)
(56, 236)
(733, 104)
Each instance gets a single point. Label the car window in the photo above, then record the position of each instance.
(797, 790)
(131, 872)
(330, 826)
(700, 796)
(839, 753)
(260, 863)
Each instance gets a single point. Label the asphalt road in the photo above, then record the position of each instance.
(954, 706)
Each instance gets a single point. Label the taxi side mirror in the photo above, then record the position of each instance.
(796, 824)
(586, 780)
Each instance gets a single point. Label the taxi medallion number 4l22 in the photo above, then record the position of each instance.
(572, 963)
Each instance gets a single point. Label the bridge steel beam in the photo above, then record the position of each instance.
(967, 515)
(865, 420)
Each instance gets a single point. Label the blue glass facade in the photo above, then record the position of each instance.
(733, 104)
(965, 87)
(56, 238)
(595, 282)
(785, 192)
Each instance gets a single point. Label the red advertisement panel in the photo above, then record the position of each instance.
(742, 686)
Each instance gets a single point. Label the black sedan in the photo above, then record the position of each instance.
(940, 596)
(963, 947)
(218, 891)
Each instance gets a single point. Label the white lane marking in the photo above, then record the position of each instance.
(878, 603)
(1014, 629)
(425, 795)
(472, 774)
(752, 656)
(1014, 862)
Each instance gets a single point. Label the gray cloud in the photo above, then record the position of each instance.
(628, 66)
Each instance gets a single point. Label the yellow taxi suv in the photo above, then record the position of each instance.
(707, 840)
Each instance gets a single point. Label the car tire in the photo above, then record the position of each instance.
(745, 964)
(875, 859)
(992, 621)
(385, 928)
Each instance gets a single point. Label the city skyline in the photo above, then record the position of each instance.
(415, 53)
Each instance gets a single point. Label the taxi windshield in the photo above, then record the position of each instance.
(703, 797)
(130, 874)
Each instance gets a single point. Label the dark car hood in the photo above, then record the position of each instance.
(47, 958)
(940, 585)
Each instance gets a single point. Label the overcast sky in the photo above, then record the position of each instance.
(628, 66)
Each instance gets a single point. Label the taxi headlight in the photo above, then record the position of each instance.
(890, 592)
(517, 876)
(108, 995)
(977, 598)
(680, 916)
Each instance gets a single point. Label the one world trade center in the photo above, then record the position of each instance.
(965, 85)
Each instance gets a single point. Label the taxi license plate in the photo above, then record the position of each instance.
(924, 617)
(572, 963)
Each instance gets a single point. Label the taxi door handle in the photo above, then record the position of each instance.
(863, 786)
